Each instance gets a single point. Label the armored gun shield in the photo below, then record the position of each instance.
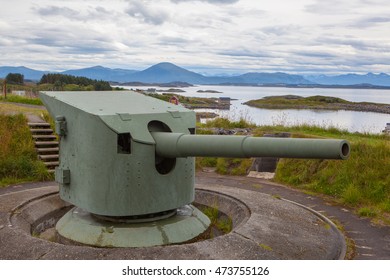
(126, 154)
(108, 164)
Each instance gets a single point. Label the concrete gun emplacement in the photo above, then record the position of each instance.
(127, 165)
(126, 154)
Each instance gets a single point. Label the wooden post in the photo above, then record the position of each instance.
(5, 89)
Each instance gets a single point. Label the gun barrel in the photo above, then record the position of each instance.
(173, 145)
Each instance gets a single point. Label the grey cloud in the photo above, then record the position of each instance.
(209, 1)
(173, 41)
(330, 7)
(341, 7)
(246, 53)
(147, 13)
(66, 41)
(315, 54)
(280, 29)
(57, 11)
(355, 43)
(92, 13)
(85, 48)
(371, 21)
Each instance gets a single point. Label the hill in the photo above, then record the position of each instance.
(381, 79)
(166, 72)
(28, 73)
(273, 78)
(102, 73)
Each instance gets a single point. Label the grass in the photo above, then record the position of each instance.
(18, 158)
(21, 99)
(265, 247)
(366, 212)
(361, 182)
(226, 124)
(13, 108)
(221, 222)
(233, 166)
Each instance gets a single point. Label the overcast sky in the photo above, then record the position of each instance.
(206, 36)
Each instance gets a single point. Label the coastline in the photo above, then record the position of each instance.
(317, 103)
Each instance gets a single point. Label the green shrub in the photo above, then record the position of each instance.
(18, 158)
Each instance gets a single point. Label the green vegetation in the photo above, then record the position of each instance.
(233, 166)
(15, 78)
(189, 102)
(21, 99)
(221, 222)
(60, 82)
(315, 102)
(361, 182)
(227, 124)
(293, 101)
(72, 83)
(265, 247)
(15, 108)
(18, 159)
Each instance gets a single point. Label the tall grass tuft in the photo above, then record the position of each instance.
(18, 159)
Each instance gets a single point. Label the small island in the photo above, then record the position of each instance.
(193, 102)
(171, 90)
(208, 91)
(317, 102)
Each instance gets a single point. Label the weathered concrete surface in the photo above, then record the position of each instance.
(372, 242)
(270, 229)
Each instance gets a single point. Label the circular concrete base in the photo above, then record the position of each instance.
(264, 227)
(80, 226)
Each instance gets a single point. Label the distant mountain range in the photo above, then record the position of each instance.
(102, 73)
(29, 74)
(166, 72)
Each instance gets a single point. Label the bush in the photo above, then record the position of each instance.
(18, 159)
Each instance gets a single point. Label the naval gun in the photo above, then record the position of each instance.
(126, 158)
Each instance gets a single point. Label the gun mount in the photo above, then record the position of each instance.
(128, 158)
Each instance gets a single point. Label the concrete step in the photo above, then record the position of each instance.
(41, 130)
(51, 163)
(46, 143)
(48, 157)
(47, 150)
(40, 124)
(47, 137)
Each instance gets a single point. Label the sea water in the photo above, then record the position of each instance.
(364, 122)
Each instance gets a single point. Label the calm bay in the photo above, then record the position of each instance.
(364, 122)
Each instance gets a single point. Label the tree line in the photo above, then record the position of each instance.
(61, 80)
(15, 79)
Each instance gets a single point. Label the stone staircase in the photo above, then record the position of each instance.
(46, 144)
